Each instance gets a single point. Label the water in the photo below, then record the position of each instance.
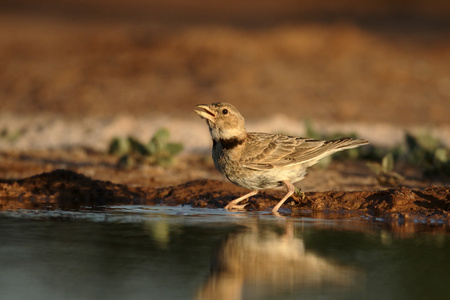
(185, 253)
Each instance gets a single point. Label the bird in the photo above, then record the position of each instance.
(257, 160)
(271, 260)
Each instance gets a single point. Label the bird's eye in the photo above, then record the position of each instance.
(224, 111)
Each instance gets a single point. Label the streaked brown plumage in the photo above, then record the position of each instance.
(257, 160)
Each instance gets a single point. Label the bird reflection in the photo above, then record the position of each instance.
(265, 262)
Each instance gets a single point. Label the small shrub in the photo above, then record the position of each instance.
(13, 136)
(158, 151)
(384, 172)
(428, 153)
(299, 194)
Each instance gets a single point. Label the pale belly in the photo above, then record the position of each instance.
(265, 179)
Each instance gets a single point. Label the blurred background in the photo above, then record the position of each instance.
(357, 62)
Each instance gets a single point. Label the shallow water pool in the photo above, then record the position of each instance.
(153, 252)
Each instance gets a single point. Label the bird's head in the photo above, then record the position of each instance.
(223, 119)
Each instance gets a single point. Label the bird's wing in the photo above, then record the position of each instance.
(267, 151)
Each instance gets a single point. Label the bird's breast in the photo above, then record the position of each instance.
(228, 144)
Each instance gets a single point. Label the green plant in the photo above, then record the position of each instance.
(299, 194)
(11, 136)
(158, 151)
(428, 153)
(384, 172)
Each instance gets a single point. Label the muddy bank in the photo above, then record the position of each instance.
(69, 190)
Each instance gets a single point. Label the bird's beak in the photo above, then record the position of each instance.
(207, 113)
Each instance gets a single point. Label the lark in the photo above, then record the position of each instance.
(256, 160)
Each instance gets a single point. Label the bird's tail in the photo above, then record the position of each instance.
(346, 143)
(333, 146)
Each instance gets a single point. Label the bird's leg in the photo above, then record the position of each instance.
(233, 203)
(290, 190)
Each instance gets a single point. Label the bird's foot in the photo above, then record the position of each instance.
(231, 206)
(277, 214)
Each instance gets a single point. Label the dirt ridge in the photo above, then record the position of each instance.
(68, 190)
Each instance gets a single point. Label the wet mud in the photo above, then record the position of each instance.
(65, 189)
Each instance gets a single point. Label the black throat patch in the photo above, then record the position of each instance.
(228, 144)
